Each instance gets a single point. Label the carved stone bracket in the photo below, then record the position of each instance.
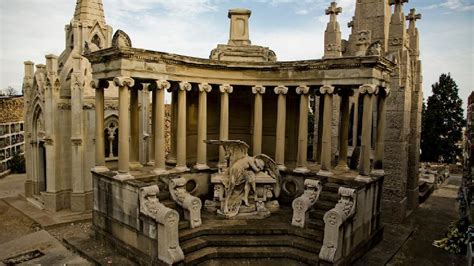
(301, 205)
(192, 205)
(169, 250)
(333, 219)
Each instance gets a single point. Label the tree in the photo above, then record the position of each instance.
(442, 122)
(9, 91)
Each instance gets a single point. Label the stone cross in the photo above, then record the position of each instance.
(333, 11)
(413, 17)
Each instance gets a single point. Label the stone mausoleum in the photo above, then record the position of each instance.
(246, 179)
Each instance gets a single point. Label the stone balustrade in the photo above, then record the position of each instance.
(303, 203)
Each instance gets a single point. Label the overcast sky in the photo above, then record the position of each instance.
(294, 29)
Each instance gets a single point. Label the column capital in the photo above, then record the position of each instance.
(99, 84)
(302, 89)
(124, 81)
(327, 89)
(258, 89)
(162, 84)
(226, 88)
(185, 86)
(280, 89)
(204, 87)
(368, 89)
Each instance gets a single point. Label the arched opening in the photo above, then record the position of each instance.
(111, 137)
(96, 40)
(38, 152)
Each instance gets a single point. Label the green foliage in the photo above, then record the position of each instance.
(442, 122)
(17, 164)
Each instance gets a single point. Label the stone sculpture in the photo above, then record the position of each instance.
(303, 203)
(192, 205)
(333, 219)
(167, 221)
(244, 174)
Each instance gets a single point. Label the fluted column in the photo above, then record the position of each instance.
(124, 83)
(343, 133)
(301, 164)
(201, 161)
(225, 90)
(368, 91)
(281, 91)
(257, 119)
(181, 131)
(99, 125)
(159, 140)
(328, 92)
(134, 131)
(380, 137)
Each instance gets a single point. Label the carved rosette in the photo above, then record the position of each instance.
(124, 82)
(204, 87)
(302, 204)
(302, 89)
(226, 88)
(364, 38)
(281, 90)
(163, 84)
(326, 89)
(258, 89)
(333, 219)
(185, 86)
(368, 89)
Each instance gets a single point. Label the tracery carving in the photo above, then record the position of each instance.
(192, 205)
(303, 203)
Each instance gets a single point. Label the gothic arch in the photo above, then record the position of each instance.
(111, 136)
(38, 151)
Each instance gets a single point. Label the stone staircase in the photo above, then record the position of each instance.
(270, 241)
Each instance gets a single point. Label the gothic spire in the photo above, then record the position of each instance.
(89, 11)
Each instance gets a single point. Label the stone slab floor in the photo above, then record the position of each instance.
(410, 243)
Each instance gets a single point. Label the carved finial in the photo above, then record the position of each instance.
(413, 17)
(398, 4)
(333, 10)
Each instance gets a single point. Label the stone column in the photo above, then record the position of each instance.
(368, 91)
(281, 127)
(134, 131)
(225, 90)
(328, 92)
(124, 83)
(201, 161)
(380, 137)
(159, 140)
(99, 125)
(181, 131)
(343, 133)
(301, 164)
(257, 119)
(153, 119)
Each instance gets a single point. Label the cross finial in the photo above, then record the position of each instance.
(412, 16)
(333, 11)
(398, 4)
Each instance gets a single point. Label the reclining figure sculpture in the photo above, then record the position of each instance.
(241, 176)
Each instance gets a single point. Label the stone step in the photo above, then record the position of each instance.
(164, 195)
(329, 196)
(317, 214)
(250, 231)
(198, 243)
(331, 187)
(240, 252)
(324, 205)
(317, 224)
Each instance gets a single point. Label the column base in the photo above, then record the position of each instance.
(201, 166)
(363, 178)
(180, 169)
(325, 173)
(377, 172)
(135, 165)
(171, 161)
(342, 167)
(151, 163)
(123, 176)
(282, 167)
(159, 171)
(301, 170)
(100, 169)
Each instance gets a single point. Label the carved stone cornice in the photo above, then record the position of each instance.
(368, 89)
(258, 89)
(302, 89)
(327, 89)
(281, 90)
(204, 87)
(185, 86)
(226, 88)
(163, 84)
(124, 82)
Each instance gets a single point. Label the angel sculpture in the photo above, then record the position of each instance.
(239, 178)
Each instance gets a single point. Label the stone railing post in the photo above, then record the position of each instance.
(301, 205)
(334, 219)
(192, 205)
